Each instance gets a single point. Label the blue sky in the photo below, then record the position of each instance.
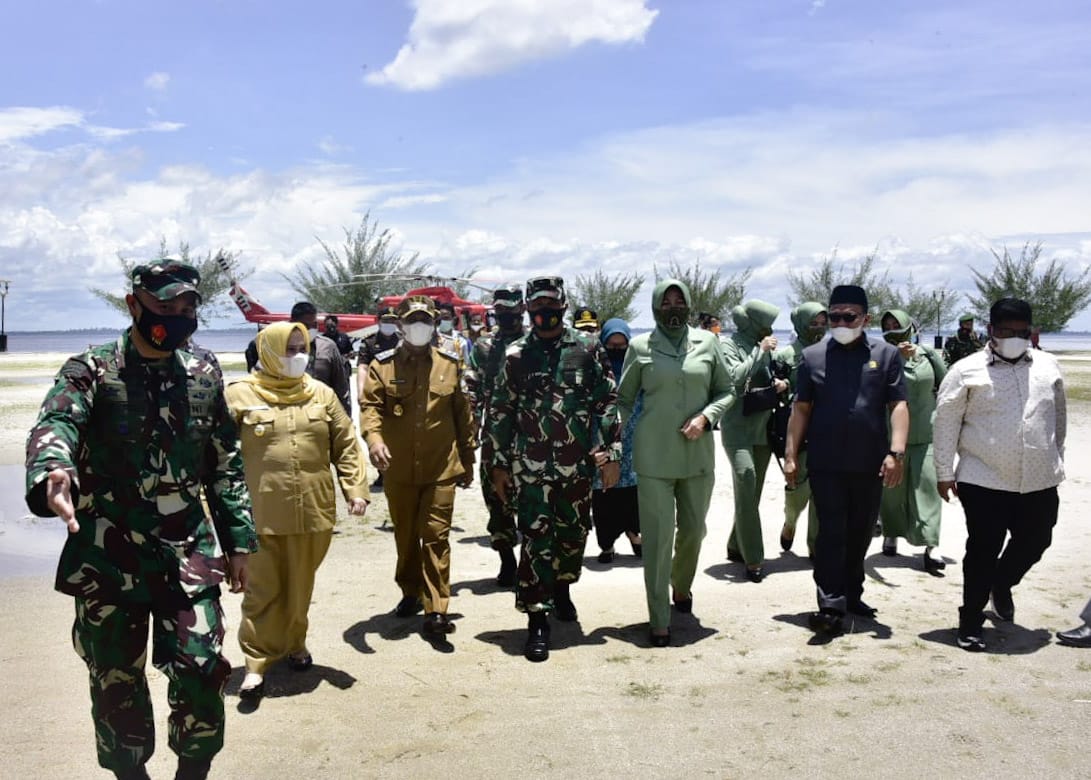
(529, 136)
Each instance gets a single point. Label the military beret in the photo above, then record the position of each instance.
(166, 279)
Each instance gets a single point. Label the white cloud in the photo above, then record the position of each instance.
(23, 122)
(450, 39)
(405, 201)
(157, 81)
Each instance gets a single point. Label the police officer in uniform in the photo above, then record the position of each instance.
(485, 359)
(415, 419)
(553, 399)
(123, 443)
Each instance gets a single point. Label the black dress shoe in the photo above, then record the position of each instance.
(863, 610)
(301, 663)
(826, 623)
(437, 624)
(755, 575)
(786, 539)
(934, 566)
(684, 606)
(1003, 605)
(253, 693)
(1077, 637)
(660, 640)
(970, 641)
(537, 647)
(606, 556)
(408, 607)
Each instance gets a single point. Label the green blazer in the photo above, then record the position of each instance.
(677, 383)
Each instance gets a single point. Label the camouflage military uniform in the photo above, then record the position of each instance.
(550, 399)
(957, 347)
(138, 438)
(485, 361)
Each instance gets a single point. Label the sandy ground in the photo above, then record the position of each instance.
(744, 691)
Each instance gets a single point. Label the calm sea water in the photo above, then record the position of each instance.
(236, 339)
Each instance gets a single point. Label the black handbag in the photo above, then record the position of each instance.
(758, 399)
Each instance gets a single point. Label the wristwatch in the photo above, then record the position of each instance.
(899, 456)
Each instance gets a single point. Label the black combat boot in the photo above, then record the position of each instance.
(562, 603)
(192, 768)
(132, 773)
(537, 648)
(506, 577)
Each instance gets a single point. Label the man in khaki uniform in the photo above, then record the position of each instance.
(417, 426)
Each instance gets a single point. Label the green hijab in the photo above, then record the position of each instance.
(905, 322)
(754, 320)
(802, 316)
(661, 287)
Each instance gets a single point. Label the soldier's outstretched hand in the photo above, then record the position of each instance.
(59, 498)
(501, 483)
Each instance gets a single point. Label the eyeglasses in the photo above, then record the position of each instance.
(1007, 333)
(847, 317)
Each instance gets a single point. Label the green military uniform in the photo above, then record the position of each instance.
(680, 373)
(799, 498)
(744, 436)
(913, 508)
(960, 345)
(485, 361)
(138, 438)
(551, 399)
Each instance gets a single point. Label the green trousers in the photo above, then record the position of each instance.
(554, 519)
(187, 644)
(912, 509)
(798, 499)
(748, 465)
(664, 504)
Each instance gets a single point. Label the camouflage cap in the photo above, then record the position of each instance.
(966, 317)
(388, 314)
(507, 296)
(166, 279)
(545, 286)
(414, 303)
(585, 319)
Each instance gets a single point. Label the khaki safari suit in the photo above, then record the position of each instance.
(413, 402)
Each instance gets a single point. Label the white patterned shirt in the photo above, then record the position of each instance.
(1006, 421)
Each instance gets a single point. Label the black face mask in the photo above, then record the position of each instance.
(509, 320)
(165, 332)
(676, 316)
(547, 318)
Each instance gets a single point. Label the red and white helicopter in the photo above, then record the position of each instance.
(360, 324)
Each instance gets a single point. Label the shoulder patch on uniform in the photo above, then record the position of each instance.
(386, 354)
(449, 350)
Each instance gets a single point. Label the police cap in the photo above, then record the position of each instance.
(414, 303)
(585, 319)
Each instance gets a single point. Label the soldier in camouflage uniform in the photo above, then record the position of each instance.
(123, 443)
(554, 394)
(485, 359)
(964, 342)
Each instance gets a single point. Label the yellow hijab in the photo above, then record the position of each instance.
(268, 381)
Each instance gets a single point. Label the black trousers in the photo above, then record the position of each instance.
(991, 515)
(846, 504)
(614, 511)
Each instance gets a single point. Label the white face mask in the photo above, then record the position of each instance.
(293, 367)
(1011, 348)
(846, 335)
(418, 333)
(387, 328)
(446, 326)
(313, 333)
